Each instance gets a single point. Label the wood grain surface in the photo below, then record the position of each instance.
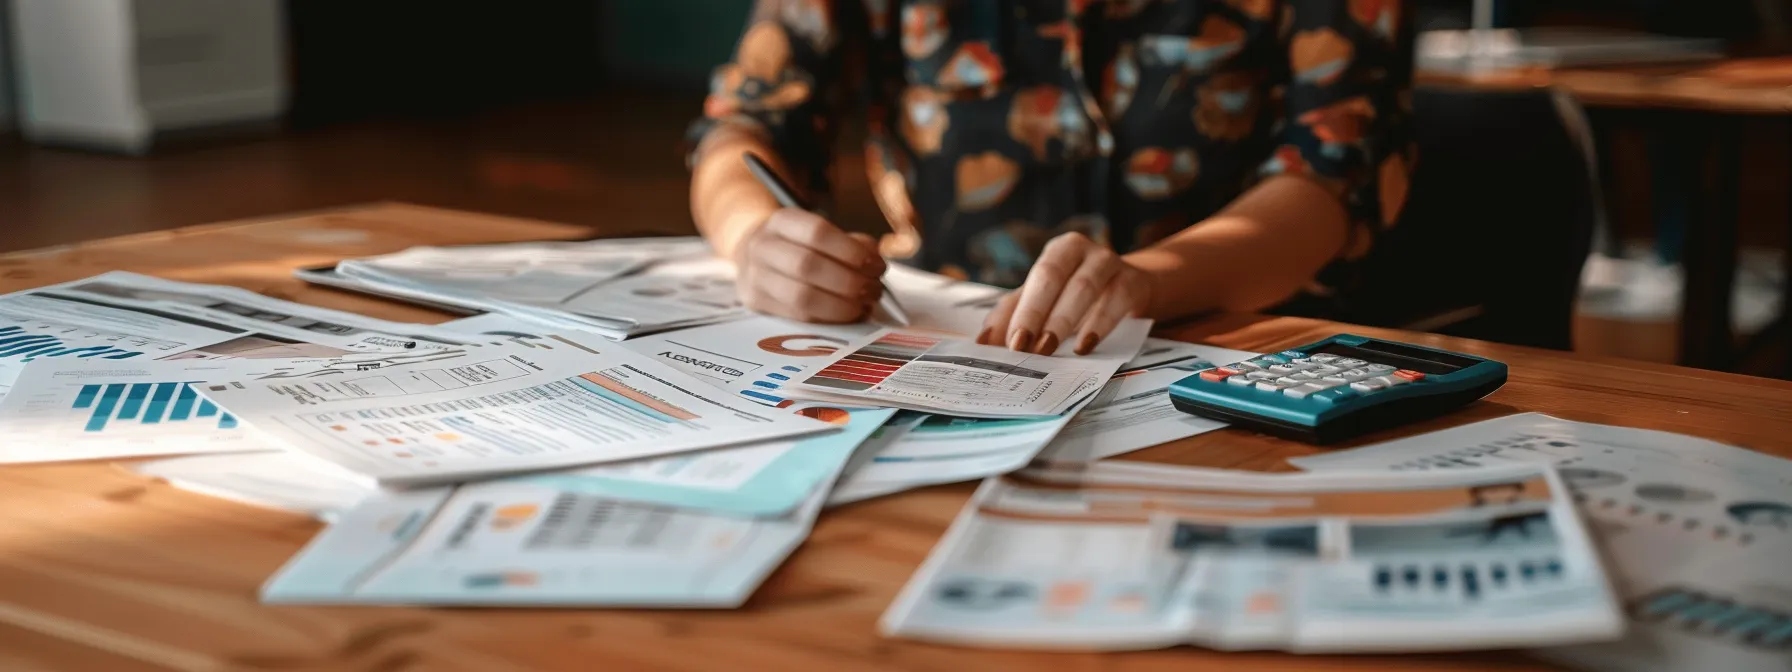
(1754, 86)
(101, 570)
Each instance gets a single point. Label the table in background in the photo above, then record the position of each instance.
(102, 570)
(1702, 104)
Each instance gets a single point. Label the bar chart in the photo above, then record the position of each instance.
(16, 343)
(147, 404)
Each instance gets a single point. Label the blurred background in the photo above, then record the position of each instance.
(1622, 163)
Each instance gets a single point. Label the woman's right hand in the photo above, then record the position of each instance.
(800, 266)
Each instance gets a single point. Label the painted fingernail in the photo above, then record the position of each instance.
(1086, 344)
(1048, 344)
(1020, 340)
(983, 336)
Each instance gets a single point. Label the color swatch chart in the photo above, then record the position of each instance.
(148, 404)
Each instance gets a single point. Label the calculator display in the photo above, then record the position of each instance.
(1400, 356)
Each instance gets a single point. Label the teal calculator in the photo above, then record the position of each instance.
(1337, 388)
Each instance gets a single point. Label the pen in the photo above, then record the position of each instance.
(787, 198)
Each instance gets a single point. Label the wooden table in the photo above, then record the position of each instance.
(102, 570)
(1700, 106)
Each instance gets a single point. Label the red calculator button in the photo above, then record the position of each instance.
(1219, 374)
(1413, 376)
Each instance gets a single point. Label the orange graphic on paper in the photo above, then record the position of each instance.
(1263, 603)
(832, 416)
(1066, 596)
(339, 428)
(445, 436)
(782, 345)
(509, 517)
(638, 396)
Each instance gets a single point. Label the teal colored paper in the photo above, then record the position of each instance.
(776, 489)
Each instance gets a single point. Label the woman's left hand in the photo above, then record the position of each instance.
(1078, 288)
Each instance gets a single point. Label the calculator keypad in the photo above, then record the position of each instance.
(1321, 377)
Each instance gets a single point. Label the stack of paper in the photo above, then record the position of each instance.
(1698, 533)
(124, 316)
(1132, 556)
(548, 462)
(615, 288)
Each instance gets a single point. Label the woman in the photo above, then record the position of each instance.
(1156, 158)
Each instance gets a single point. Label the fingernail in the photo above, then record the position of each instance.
(1048, 344)
(1020, 340)
(1086, 344)
(983, 336)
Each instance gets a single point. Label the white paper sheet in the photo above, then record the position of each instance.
(925, 372)
(754, 358)
(546, 273)
(522, 542)
(1698, 533)
(1159, 352)
(1132, 412)
(529, 405)
(125, 316)
(1116, 555)
(274, 480)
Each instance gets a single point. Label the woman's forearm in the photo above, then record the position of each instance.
(726, 201)
(1257, 252)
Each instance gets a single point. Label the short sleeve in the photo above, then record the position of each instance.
(784, 82)
(1345, 100)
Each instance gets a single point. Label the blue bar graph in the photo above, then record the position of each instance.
(159, 402)
(147, 404)
(86, 397)
(183, 404)
(103, 412)
(133, 401)
(14, 342)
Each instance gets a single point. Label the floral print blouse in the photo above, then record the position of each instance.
(996, 125)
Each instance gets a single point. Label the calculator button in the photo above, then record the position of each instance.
(1305, 376)
(1294, 354)
(1349, 363)
(1413, 376)
(1390, 381)
(1322, 358)
(1368, 385)
(1301, 392)
(1378, 368)
(1336, 380)
(1289, 381)
(1247, 365)
(1323, 370)
(1335, 394)
(1213, 376)
(1272, 359)
(1353, 374)
(1327, 383)
(1261, 375)
(1271, 386)
(1283, 369)
(1241, 380)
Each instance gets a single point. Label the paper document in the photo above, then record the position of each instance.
(1159, 353)
(1114, 555)
(926, 449)
(548, 273)
(1132, 412)
(275, 480)
(756, 358)
(125, 316)
(523, 406)
(522, 542)
(914, 370)
(1698, 533)
(763, 479)
(79, 410)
